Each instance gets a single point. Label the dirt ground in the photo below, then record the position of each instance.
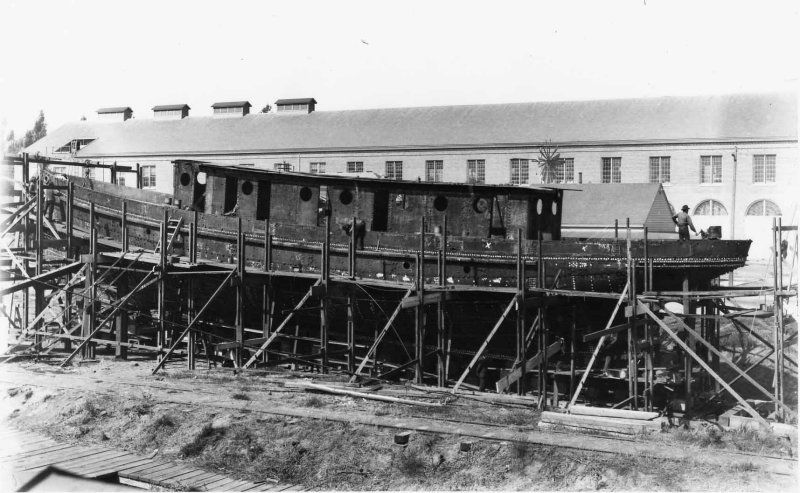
(218, 421)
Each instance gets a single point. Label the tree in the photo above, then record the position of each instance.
(266, 109)
(549, 159)
(39, 127)
(13, 145)
(39, 130)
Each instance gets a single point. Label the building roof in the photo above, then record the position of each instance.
(232, 104)
(297, 101)
(727, 118)
(115, 109)
(168, 107)
(598, 205)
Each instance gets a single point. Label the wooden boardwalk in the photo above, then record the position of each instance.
(25, 453)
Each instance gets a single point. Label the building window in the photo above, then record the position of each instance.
(764, 168)
(763, 207)
(710, 169)
(167, 113)
(148, 176)
(394, 170)
(317, 168)
(659, 169)
(121, 181)
(565, 171)
(519, 171)
(476, 171)
(283, 166)
(710, 208)
(612, 170)
(434, 170)
(59, 170)
(355, 166)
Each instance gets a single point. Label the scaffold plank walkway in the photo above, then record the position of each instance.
(26, 453)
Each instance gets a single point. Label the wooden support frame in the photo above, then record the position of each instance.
(752, 412)
(199, 314)
(698, 337)
(379, 337)
(145, 282)
(485, 343)
(280, 327)
(597, 348)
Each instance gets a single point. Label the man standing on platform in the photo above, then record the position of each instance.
(684, 222)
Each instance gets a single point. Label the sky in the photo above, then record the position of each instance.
(69, 58)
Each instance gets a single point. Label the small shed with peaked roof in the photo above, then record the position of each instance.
(590, 210)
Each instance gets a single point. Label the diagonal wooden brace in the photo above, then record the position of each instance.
(752, 412)
(281, 326)
(146, 281)
(381, 335)
(194, 320)
(728, 362)
(485, 344)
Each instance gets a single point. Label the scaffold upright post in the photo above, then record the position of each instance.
(124, 225)
(540, 283)
(71, 221)
(441, 349)
(162, 285)
(324, 284)
(38, 291)
(240, 299)
(520, 318)
(419, 320)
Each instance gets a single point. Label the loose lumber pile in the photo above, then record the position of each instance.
(612, 421)
(308, 386)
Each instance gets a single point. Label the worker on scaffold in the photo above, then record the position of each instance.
(684, 222)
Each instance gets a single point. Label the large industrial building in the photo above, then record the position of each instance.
(731, 158)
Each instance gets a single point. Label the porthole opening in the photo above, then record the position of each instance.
(554, 208)
(440, 203)
(406, 264)
(346, 197)
(480, 205)
(247, 187)
(201, 178)
(305, 194)
(539, 207)
(186, 179)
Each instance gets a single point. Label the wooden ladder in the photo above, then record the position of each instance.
(173, 228)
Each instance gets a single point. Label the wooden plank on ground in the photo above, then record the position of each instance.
(198, 480)
(16, 451)
(213, 479)
(160, 466)
(40, 451)
(119, 461)
(60, 455)
(236, 486)
(216, 485)
(164, 474)
(79, 465)
(185, 477)
(116, 469)
(133, 469)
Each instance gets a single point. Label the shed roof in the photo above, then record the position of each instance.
(297, 101)
(115, 109)
(600, 204)
(167, 107)
(232, 104)
(729, 118)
